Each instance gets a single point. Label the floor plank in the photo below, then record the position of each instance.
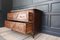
(7, 34)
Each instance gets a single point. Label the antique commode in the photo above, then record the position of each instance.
(24, 21)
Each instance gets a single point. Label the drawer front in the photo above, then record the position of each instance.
(20, 27)
(12, 16)
(9, 24)
(23, 27)
(29, 28)
(30, 16)
(25, 16)
(12, 24)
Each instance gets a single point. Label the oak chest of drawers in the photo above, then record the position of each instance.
(24, 21)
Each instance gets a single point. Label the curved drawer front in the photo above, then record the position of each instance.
(12, 16)
(9, 24)
(20, 27)
(24, 16)
(23, 27)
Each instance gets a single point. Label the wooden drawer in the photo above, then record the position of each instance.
(23, 27)
(9, 24)
(20, 27)
(12, 16)
(29, 28)
(24, 16)
(12, 24)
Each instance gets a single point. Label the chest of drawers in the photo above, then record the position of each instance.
(24, 21)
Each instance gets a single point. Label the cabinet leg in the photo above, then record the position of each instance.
(33, 35)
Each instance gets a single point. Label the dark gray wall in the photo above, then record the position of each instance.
(51, 16)
(5, 6)
(0, 4)
(19, 4)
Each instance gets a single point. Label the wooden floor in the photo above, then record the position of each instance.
(7, 34)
